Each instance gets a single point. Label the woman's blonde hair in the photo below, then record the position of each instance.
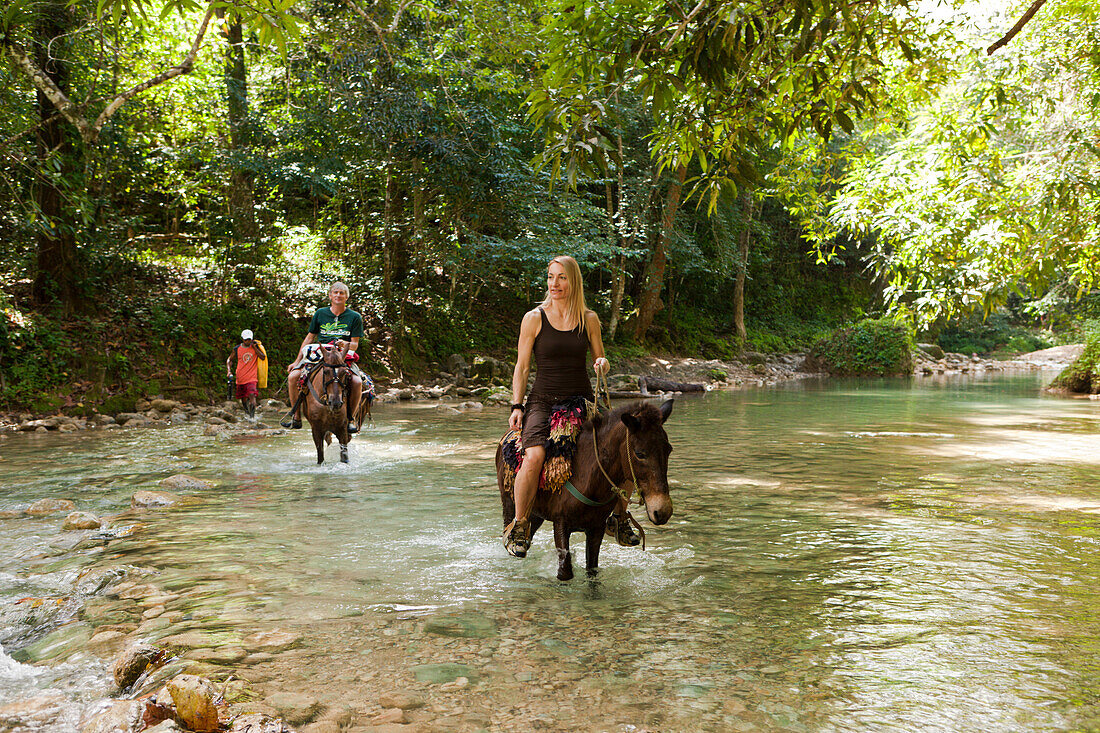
(575, 306)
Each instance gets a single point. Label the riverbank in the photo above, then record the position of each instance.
(459, 386)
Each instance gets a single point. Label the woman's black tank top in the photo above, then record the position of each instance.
(561, 358)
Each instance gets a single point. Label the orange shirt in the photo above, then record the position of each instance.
(247, 366)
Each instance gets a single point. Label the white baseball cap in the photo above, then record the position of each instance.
(246, 334)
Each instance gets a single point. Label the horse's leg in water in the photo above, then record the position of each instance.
(536, 522)
(593, 539)
(319, 440)
(342, 436)
(565, 560)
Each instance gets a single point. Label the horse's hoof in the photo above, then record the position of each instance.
(565, 573)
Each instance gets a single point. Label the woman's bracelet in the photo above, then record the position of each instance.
(519, 406)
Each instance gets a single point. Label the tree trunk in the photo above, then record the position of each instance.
(242, 203)
(654, 279)
(57, 256)
(389, 234)
(744, 241)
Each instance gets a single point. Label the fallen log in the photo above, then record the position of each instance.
(645, 384)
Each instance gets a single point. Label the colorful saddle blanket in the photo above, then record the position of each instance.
(566, 419)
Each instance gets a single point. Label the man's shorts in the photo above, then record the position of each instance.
(246, 390)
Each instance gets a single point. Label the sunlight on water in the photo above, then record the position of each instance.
(844, 556)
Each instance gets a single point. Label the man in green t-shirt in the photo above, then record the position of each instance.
(335, 325)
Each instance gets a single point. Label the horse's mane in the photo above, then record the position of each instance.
(648, 414)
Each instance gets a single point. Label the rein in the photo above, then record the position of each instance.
(325, 382)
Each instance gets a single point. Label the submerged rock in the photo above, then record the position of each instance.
(134, 662)
(82, 520)
(43, 507)
(34, 712)
(181, 482)
(297, 708)
(194, 698)
(122, 716)
(151, 499)
(271, 641)
(258, 723)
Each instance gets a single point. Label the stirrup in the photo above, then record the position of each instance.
(352, 428)
(517, 537)
(620, 528)
(290, 423)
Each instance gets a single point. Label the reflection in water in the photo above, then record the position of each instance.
(844, 556)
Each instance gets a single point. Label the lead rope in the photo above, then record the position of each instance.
(615, 487)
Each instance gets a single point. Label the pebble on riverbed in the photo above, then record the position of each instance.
(82, 520)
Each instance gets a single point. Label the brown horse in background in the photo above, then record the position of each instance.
(630, 444)
(324, 397)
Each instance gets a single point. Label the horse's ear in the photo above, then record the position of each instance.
(632, 423)
(666, 409)
(344, 349)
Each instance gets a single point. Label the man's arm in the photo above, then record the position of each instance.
(260, 352)
(229, 363)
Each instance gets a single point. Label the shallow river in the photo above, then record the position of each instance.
(844, 556)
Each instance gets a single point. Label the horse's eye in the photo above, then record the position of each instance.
(640, 454)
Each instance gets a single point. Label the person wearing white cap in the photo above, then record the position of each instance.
(249, 353)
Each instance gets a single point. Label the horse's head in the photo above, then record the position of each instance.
(646, 450)
(334, 372)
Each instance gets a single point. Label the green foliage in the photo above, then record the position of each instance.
(997, 333)
(874, 346)
(1083, 375)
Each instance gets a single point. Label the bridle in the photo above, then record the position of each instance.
(330, 373)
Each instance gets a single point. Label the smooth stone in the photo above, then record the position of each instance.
(122, 716)
(165, 726)
(152, 499)
(161, 405)
(295, 707)
(439, 674)
(82, 520)
(467, 626)
(134, 661)
(393, 715)
(33, 712)
(400, 699)
(181, 482)
(43, 507)
(7, 514)
(194, 700)
(106, 643)
(271, 641)
(221, 655)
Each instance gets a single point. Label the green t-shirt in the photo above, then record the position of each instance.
(328, 326)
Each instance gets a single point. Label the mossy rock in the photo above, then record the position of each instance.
(872, 347)
(1083, 375)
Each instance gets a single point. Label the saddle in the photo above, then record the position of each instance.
(566, 419)
(367, 397)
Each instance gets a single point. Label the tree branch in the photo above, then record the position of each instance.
(43, 83)
(1016, 28)
(183, 67)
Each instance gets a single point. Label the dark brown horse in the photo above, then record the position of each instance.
(324, 396)
(632, 446)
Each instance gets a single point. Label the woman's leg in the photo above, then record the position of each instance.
(527, 479)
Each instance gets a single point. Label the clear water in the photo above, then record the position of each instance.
(844, 556)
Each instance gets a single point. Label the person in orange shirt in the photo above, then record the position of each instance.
(248, 354)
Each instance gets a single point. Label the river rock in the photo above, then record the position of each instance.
(152, 499)
(271, 641)
(447, 410)
(165, 726)
(164, 405)
(134, 661)
(221, 655)
(194, 700)
(42, 507)
(393, 715)
(49, 423)
(82, 520)
(7, 514)
(34, 712)
(295, 707)
(183, 482)
(122, 716)
(401, 699)
(106, 642)
(258, 723)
